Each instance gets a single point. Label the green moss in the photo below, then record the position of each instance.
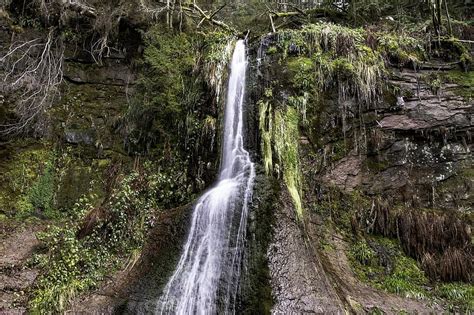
(171, 58)
(41, 194)
(464, 80)
(400, 48)
(384, 265)
(433, 80)
(216, 53)
(286, 139)
(180, 87)
(343, 68)
(272, 50)
(334, 56)
(339, 150)
(78, 177)
(338, 207)
(27, 179)
(406, 279)
(302, 73)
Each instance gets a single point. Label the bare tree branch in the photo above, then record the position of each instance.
(34, 70)
(210, 18)
(153, 12)
(80, 8)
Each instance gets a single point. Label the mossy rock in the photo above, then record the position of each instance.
(464, 81)
(23, 165)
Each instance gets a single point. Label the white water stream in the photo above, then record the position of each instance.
(206, 280)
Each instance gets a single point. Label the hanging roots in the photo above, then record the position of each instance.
(34, 70)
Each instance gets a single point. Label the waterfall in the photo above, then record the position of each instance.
(206, 280)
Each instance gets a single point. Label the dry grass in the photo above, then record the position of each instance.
(440, 241)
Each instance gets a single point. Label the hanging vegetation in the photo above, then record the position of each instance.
(441, 241)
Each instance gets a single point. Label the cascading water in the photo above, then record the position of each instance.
(206, 280)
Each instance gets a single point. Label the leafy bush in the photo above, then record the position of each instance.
(385, 266)
(406, 278)
(363, 253)
(459, 295)
(78, 254)
(41, 194)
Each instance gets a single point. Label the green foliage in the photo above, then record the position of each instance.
(433, 80)
(272, 50)
(114, 230)
(171, 59)
(400, 49)
(338, 207)
(363, 253)
(65, 263)
(216, 52)
(384, 265)
(460, 296)
(42, 192)
(406, 278)
(302, 70)
(27, 183)
(285, 144)
(165, 91)
(454, 49)
(333, 57)
(178, 92)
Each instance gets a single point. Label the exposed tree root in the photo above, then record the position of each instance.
(34, 69)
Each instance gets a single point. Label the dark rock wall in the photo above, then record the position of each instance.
(412, 149)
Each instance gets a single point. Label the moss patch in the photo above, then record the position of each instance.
(464, 80)
(383, 264)
(286, 139)
(27, 180)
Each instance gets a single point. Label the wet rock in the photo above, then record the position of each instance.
(347, 173)
(113, 72)
(299, 283)
(78, 136)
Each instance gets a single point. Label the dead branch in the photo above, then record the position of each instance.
(210, 18)
(188, 9)
(80, 8)
(271, 21)
(154, 13)
(105, 26)
(272, 14)
(34, 70)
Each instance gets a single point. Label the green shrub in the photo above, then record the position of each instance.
(79, 253)
(363, 253)
(386, 267)
(41, 194)
(406, 279)
(459, 295)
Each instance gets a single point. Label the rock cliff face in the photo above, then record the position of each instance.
(411, 150)
(419, 148)
(298, 279)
